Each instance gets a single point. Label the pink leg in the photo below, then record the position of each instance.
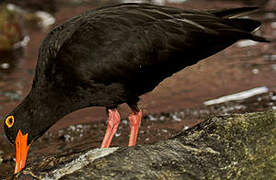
(112, 125)
(135, 120)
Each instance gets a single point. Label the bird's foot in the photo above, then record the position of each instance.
(135, 120)
(112, 126)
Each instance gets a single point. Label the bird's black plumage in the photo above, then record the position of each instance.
(112, 55)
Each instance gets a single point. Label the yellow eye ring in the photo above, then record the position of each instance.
(10, 121)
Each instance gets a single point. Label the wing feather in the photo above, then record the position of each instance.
(130, 42)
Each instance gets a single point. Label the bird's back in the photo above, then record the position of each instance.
(135, 46)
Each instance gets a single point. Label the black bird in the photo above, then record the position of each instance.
(112, 55)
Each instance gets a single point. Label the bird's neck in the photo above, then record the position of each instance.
(50, 105)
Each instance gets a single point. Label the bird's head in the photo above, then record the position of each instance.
(18, 132)
(24, 125)
(31, 119)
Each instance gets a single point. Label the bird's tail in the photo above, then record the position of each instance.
(234, 12)
(242, 24)
(247, 25)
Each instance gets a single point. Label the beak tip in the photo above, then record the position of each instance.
(21, 151)
(18, 167)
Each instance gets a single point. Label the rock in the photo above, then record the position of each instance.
(11, 30)
(240, 146)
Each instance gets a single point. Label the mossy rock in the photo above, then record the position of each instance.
(240, 146)
(10, 28)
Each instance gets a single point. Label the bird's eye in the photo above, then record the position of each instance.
(10, 121)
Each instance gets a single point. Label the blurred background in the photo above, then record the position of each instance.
(180, 102)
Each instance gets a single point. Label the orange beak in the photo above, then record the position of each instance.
(21, 151)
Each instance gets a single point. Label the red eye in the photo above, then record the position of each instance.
(10, 121)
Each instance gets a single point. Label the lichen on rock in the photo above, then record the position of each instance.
(239, 146)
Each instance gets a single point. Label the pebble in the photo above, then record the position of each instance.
(270, 57)
(46, 19)
(246, 43)
(175, 118)
(22, 43)
(204, 111)
(68, 138)
(79, 126)
(273, 25)
(255, 71)
(5, 65)
(273, 67)
(152, 118)
(60, 132)
(162, 118)
(72, 128)
(124, 121)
